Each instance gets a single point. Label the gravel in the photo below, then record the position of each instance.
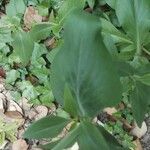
(145, 141)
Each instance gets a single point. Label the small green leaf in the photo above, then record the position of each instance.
(47, 127)
(40, 31)
(51, 55)
(12, 76)
(28, 90)
(15, 7)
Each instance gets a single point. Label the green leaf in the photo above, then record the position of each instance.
(28, 90)
(124, 69)
(46, 98)
(66, 8)
(43, 10)
(90, 138)
(145, 79)
(68, 140)
(108, 27)
(84, 67)
(140, 99)
(12, 75)
(36, 60)
(47, 127)
(15, 7)
(111, 3)
(23, 46)
(111, 141)
(40, 31)
(135, 19)
(91, 3)
(70, 104)
(51, 55)
(49, 146)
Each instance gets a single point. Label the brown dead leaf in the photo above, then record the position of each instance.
(20, 145)
(11, 104)
(15, 116)
(31, 16)
(2, 73)
(1, 103)
(50, 42)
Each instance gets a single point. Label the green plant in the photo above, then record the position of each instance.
(83, 87)
(84, 77)
(88, 81)
(7, 131)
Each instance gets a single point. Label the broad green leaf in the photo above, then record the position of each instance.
(111, 141)
(84, 67)
(90, 138)
(40, 31)
(49, 146)
(70, 104)
(68, 140)
(134, 15)
(23, 46)
(47, 127)
(15, 7)
(124, 69)
(140, 99)
(108, 27)
(95, 137)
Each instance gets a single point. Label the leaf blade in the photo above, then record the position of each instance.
(47, 127)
